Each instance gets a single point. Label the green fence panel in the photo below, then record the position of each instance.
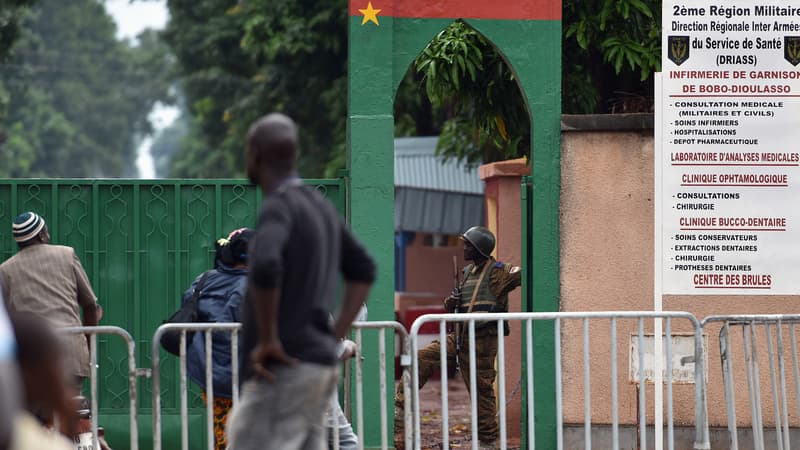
(142, 242)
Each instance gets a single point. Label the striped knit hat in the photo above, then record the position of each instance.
(27, 226)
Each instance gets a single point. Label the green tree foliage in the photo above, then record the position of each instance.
(611, 49)
(240, 60)
(467, 81)
(11, 13)
(78, 98)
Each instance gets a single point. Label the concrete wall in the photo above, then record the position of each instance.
(607, 264)
(430, 269)
(429, 276)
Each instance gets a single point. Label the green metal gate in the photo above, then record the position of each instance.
(141, 242)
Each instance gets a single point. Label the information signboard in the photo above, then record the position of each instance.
(730, 148)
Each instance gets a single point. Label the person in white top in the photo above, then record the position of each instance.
(8, 378)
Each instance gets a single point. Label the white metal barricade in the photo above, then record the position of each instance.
(234, 329)
(701, 440)
(749, 325)
(405, 362)
(409, 362)
(208, 329)
(93, 332)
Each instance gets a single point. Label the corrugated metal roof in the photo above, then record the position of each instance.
(417, 166)
(432, 211)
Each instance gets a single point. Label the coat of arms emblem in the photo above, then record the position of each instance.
(678, 49)
(791, 49)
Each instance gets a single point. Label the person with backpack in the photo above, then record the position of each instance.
(221, 290)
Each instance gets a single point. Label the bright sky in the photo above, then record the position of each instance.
(134, 17)
(131, 19)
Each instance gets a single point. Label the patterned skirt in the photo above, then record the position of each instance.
(222, 406)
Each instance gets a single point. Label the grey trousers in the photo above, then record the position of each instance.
(286, 414)
(335, 418)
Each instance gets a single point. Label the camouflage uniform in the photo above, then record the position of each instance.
(492, 297)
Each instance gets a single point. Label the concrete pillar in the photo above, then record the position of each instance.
(503, 217)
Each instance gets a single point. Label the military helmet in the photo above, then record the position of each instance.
(480, 238)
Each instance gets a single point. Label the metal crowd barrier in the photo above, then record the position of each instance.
(753, 328)
(234, 329)
(132, 374)
(749, 325)
(208, 328)
(405, 361)
(701, 425)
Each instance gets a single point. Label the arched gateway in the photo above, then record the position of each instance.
(385, 37)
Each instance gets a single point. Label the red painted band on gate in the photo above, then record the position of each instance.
(463, 9)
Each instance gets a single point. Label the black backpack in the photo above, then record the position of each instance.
(187, 313)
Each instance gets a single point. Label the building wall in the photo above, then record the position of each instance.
(429, 276)
(430, 269)
(607, 264)
(606, 235)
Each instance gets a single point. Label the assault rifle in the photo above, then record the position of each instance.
(457, 287)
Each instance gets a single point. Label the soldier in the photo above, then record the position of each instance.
(484, 288)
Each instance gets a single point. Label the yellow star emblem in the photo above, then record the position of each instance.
(370, 14)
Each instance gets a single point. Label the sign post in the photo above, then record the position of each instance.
(731, 158)
(658, 251)
(727, 161)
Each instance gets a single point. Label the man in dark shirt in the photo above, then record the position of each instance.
(289, 344)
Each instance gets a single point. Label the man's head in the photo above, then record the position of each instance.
(478, 244)
(29, 229)
(272, 147)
